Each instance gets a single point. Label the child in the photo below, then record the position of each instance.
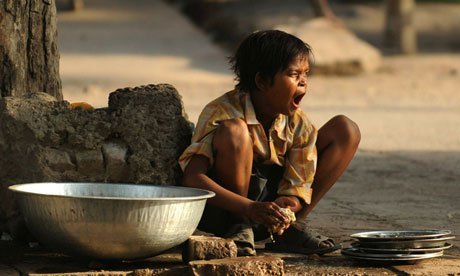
(258, 151)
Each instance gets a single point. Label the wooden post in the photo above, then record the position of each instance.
(29, 56)
(400, 32)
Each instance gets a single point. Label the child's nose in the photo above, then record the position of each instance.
(303, 81)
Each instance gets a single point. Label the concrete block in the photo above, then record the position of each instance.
(263, 265)
(207, 248)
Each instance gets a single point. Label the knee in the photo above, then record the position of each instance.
(348, 130)
(232, 135)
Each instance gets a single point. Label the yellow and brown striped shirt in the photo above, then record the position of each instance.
(290, 142)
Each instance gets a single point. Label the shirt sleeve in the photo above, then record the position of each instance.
(202, 147)
(203, 135)
(300, 162)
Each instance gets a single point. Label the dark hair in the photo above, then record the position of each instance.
(266, 52)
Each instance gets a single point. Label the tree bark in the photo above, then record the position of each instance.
(29, 56)
(400, 32)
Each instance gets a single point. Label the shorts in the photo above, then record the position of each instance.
(263, 186)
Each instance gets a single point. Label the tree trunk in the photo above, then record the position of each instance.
(400, 31)
(29, 56)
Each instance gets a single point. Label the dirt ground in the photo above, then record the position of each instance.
(406, 174)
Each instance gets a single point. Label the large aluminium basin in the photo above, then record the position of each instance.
(110, 221)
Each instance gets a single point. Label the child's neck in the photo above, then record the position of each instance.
(263, 112)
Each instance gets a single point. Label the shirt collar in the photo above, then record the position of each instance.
(279, 125)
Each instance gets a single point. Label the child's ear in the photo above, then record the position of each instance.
(261, 82)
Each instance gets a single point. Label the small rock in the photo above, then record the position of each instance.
(207, 248)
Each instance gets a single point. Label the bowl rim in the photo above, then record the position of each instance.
(207, 194)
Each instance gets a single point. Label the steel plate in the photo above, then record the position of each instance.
(401, 250)
(400, 235)
(356, 254)
(404, 244)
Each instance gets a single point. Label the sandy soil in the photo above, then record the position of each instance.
(407, 171)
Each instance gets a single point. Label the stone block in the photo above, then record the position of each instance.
(138, 138)
(115, 161)
(172, 271)
(90, 162)
(207, 248)
(260, 265)
(58, 160)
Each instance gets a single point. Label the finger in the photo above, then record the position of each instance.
(275, 211)
(281, 216)
(271, 219)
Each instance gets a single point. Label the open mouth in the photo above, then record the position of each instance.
(298, 98)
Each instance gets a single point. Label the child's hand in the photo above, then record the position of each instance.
(290, 202)
(266, 213)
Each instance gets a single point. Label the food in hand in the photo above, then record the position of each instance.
(289, 214)
(283, 225)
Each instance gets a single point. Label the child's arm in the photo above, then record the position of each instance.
(195, 176)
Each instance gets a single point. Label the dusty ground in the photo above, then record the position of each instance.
(407, 171)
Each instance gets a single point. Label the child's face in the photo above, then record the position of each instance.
(288, 88)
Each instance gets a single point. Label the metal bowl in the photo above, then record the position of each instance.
(110, 221)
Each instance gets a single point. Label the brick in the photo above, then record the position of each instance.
(263, 265)
(207, 248)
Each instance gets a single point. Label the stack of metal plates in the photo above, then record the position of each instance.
(403, 245)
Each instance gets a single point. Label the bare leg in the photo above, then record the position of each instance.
(232, 165)
(337, 143)
(233, 156)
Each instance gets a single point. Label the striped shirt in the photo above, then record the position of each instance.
(290, 142)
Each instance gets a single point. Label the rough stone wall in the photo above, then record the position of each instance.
(29, 56)
(137, 139)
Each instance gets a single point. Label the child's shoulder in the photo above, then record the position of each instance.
(227, 105)
(224, 99)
